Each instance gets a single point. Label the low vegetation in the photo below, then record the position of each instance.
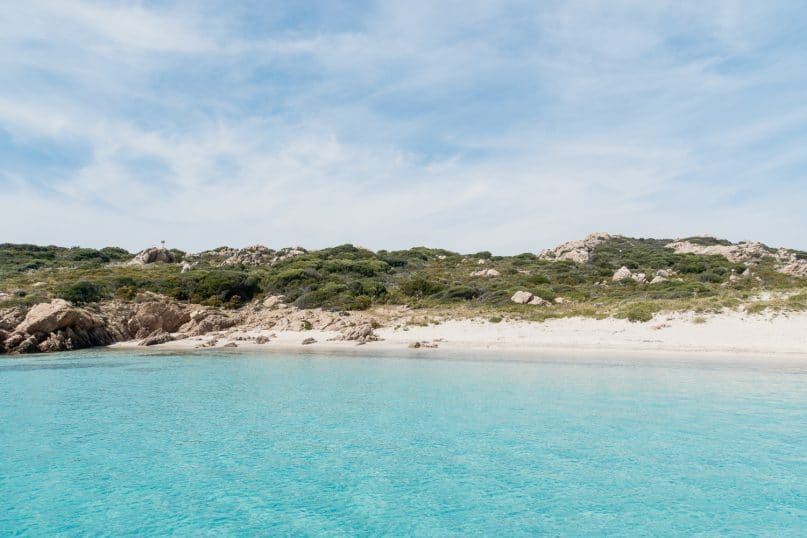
(351, 278)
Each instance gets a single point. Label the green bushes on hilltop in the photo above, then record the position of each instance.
(347, 277)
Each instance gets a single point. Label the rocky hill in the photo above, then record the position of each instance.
(55, 298)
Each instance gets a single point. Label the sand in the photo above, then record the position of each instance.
(729, 333)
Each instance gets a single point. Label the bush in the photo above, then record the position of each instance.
(464, 293)
(115, 253)
(639, 312)
(710, 276)
(83, 254)
(223, 285)
(82, 292)
(418, 286)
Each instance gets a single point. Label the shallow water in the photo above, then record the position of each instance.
(243, 444)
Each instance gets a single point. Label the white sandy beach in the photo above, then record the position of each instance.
(781, 334)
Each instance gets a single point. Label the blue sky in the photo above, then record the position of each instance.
(505, 126)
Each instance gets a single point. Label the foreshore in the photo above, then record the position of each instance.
(725, 334)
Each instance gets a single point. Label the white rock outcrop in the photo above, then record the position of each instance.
(623, 273)
(487, 273)
(748, 252)
(742, 252)
(153, 255)
(525, 297)
(578, 251)
(521, 297)
(251, 256)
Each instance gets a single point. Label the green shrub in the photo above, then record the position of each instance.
(81, 292)
(710, 276)
(83, 254)
(418, 286)
(198, 286)
(639, 312)
(116, 253)
(464, 293)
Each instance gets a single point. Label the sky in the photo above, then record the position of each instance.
(468, 125)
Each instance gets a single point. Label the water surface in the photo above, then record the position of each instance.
(243, 444)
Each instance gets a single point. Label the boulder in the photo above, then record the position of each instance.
(623, 273)
(11, 317)
(521, 297)
(641, 278)
(658, 279)
(309, 341)
(154, 316)
(157, 337)
(153, 255)
(361, 333)
(535, 300)
(203, 321)
(57, 326)
(50, 317)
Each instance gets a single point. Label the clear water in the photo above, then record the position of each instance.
(216, 444)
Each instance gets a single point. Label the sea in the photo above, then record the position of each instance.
(422, 443)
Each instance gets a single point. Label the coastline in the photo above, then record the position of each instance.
(729, 334)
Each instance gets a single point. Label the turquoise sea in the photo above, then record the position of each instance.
(150, 444)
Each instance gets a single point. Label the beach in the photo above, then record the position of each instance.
(726, 334)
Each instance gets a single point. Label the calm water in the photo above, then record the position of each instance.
(114, 443)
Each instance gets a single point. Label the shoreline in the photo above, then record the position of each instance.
(728, 334)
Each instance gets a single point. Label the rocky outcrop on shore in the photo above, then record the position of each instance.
(54, 326)
(153, 319)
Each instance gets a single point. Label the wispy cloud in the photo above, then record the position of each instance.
(505, 126)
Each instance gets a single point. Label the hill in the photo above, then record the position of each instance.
(600, 276)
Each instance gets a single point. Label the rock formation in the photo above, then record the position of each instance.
(576, 251)
(623, 273)
(747, 252)
(361, 333)
(525, 297)
(251, 256)
(54, 326)
(153, 255)
(487, 273)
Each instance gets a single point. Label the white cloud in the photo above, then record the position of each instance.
(499, 126)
